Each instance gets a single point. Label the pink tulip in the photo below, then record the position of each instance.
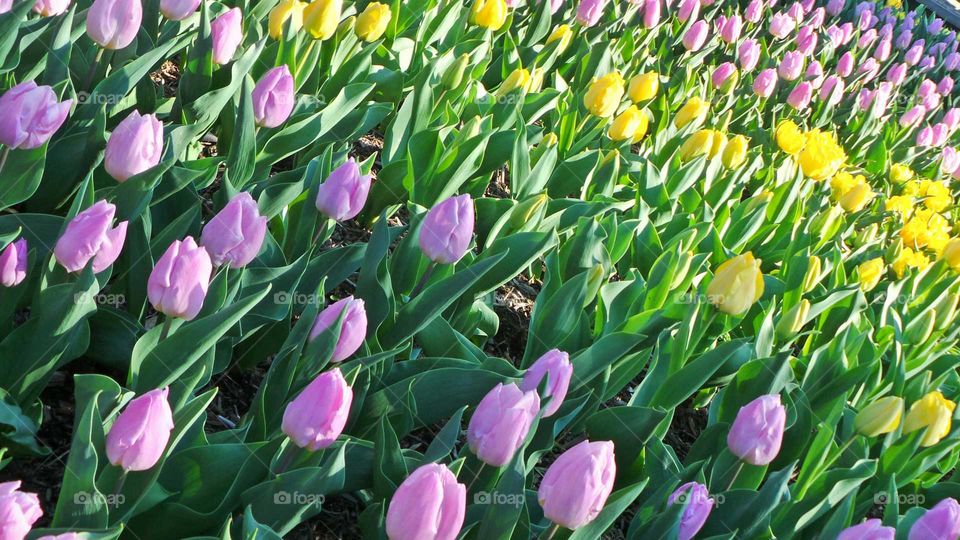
(925, 137)
(114, 24)
(913, 55)
(757, 431)
(817, 17)
(800, 96)
(234, 236)
(791, 66)
(695, 36)
(781, 25)
(273, 97)
(342, 196)
(699, 504)
(912, 116)
(429, 504)
(807, 43)
(882, 52)
(723, 75)
(867, 38)
(501, 422)
(951, 118)
(353, 329)
(834, 7)
(177, 286)
(754, 11)
(590, 11)
(51, 8)
(871, 529)
(748, 55)
(897, 74)
(945, 86)
(940, 133)
(446, 232)
(942, 522)
(952, 61)
(91, 236)
(845, 65)
(576, 486)
(227, 34)
(731, 29)
(178, 10)
(651, 13)
(13, 263)
(868, 69)
(949, 159)
(30, 115)
(831, 92)
(689, 9)
(814, 74)
(139, 435)
(555, 365)
(765, 82)
(317, 416)
(134, 146)
(19, 510)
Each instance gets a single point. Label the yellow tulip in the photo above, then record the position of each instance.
(604, 95)
(857, 197)
(321, 18)
(909, 258)
(719, 143)
(736, 152)
(926, 229)
(900, 204)
(933, 412)
(793, 320)
(644, 86)
(286, 9)
(736, 285)
(937, 196)
(821, 156)
(489, 14)
(563, 34)
(900, 173)
(869, 273)
(880, 417)
(951, 253)
(631, 124)
(372, 23)
(789, 137)
(698, 143)
(693, 111)
(519, 79)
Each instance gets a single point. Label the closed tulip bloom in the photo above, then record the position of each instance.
(688, 9)
(134, 146)
(178, 10)
(91, 235)
(869, 273)
(952, 61)
(866, 39)
(30, 115)
(882, 52)
(845, 65)
(935, 25)
(446, 232)
(590, 11)
(731, 29)
(285, 10)
(871, 529)
(754, 11)
(940, 134)
(699, 505)
(630, 125)
(949, 159)
(49, 8)
(932, 412)
(945, 86)
(343, 194)
(896, 74)
(913, 115)
(604, 95)
(925, 137)
(429, 504)
(789, 137)
(316, 417)
(880, 417)
(519, 79)
(501, 422)
(699, 143)
(19, 510)
(64, 536)
(692, 112)
(781, 25)
(942, 522)
(576, 485)
(791, 66)
(765, 83)
(13, 263)
(748, 54)
(651, 13)
(178, 283)
(807, 40)
(353, 329)
(822, 156)
(800, 96)
(372, 23)
(273, 97)
(951, 118)
(951, 253)
(555, 365)
(831, 91)
(725, 77)
(696, 36)
(235, 235)
(913, 55)
(227, 34)
(114, 24)
(834, 7)
(644, 86)
(757, 431)
(140, 433)
(736, 285)
(321, 18)
(857, 197)
(931, 102)
(563, 34)
(735, 152)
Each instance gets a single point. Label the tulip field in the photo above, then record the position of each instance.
(479, 269)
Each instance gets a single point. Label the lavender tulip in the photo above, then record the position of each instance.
(913, 55)
(30, 115)
(113, 24)
(446, 232)
(834, 7)
(90, 235)
(942, 522)
(945, 86)
(748, 55)
(353, 329)
(273, 97)
(831, 91)
(897, 74)
(555, 365)
(695, 37)
(689, 9)
(428, 504)
(51, 8)
(699, 505)
(178, 283)
(882, 52)
(866, 39)
(765, 82)
(235, 235)
(904, 39)
(19, 510)
(912, 116)
(651, 13)
(343, 194)
(13, 263)
(845, 65)
(800, 96)
(317, 416)
(730, 32)
(178, 10)
(871, 529)
(501, 422)
(226, 31)
(576, 486)
(781, 25)
(590, 11)
(757, 431)
(754, 11)
(134, 146)
(952, 62)
(139, 436)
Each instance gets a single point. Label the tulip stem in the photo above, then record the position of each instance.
(3, 157)
(88, 81)
(117, 488)
(165, 331)
(423, 280)
(549, 533)
(736, 473)
(286, 459)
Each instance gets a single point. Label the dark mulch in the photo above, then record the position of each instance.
(167, 76)
(687, 425)
(513, 303)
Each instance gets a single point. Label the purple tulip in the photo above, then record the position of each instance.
(800, 96)
(721, 76)
(945, 86)
(227, 34)
(317, 416)
(940, 133)
(904, 39)
(446, 232)
(871, 529)
(951, 118)
(590, 11)
(814, 74)
(178, 283)
(952, 61)
(134, 146)
(748, 55)
(30, 115)
(689, 9)
(114, 24)
(834, 7)
(868, 69)
(925, 137)
(882, 52)
(831, 91)
(273, 97)
(845, 65)
(696, 36)
(234, 236)
(90, 235)
(867, 38)
(730, 32)
(576, 485)
(699, 505)
(13, 263)
(757, 432)
(428, 504)
(139, 435)
(50, 8)
(927, 63)
(178, 10)
(781, 25)
(867, 20)
(913, 55)
(935, 26)
(791, 66)
(942, 522)
(353, 330)
(343, 194)
(886, 31)
(651, 13)
(501, 422)
(897, 74)
(912, 116)
(765, 82)
(555, 365)
(19, 510)
(754, 11)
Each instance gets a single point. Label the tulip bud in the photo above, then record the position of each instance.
(555, 365)
(812, 276)
(644, 86)
(951, 253)
(321, 18)
(845, 65)
(942, 522)
(178, 10)
(730, 32)
(800, 96)
(925, 137)
(140, 433)
(693, 112)
(896, 74)
(834, 7)
(273, 97)
(699, 505)
(519, 79)
(793, 320)
(781, 25)
(563, 34)
(291, 10)
(725, 77)
(428, 504)
(316, 417)
(934, 413)
(871, 529)
(757, 431)
(604, 95)
(577, 484)
(447, 229)
(590, 11)
(226, 31)
(630, 125)
(13, 263)
(134, 146)
(765, 83)
(343, 194)
(372, 23)
(735, 152)
(48, 8)
(880, 417)
(113, 24)
(453, 76)
(695, 37)
(353, 329)
(236, 233)
(19, 510)
(699, 143)
(689, 9)
(651, 13)
(748, 55)
(501, 422)
(912, 116)
(30, 115)
(736, 285)
(178, 283)
(90, 235)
